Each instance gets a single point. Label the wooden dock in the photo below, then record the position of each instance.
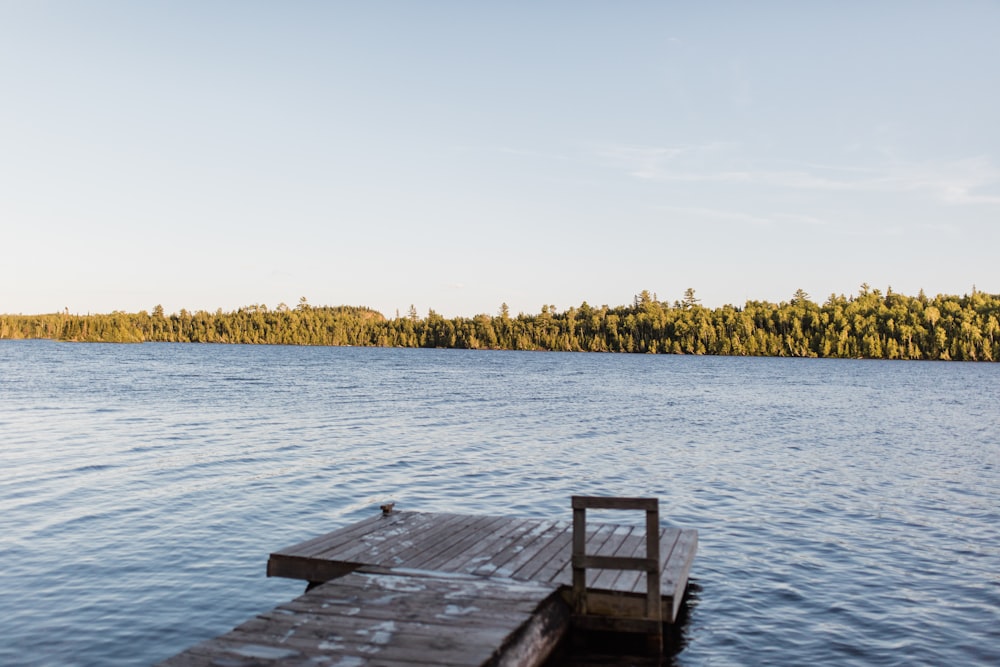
(415, 588)
(395, 621)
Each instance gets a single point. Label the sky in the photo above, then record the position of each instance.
(455, 156)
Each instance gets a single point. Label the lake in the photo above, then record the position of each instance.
(849, 510)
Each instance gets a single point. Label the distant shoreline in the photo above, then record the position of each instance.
(872, 325)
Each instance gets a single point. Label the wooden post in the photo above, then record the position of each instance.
(654, 608)
(579, 553)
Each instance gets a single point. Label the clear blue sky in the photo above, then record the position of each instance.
(456, 155)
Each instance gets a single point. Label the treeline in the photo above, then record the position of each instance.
(870, 325)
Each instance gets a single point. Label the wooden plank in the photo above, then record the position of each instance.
(681, 556)
(616, 563)
(422, 615)
(398, 548)
(378, 545)
(510, 640)
(614, 541)
(550, 559)
(533, 543)
(675, 574)
(339, 649)
(528, 644)
(653, 592)
(217, 658)
(500, 538)
(459, 595)
(419, 617)
(394, 581)
(633, 546)
(383, 548)
(625, 536)
(312, 560)
(364, 619)
(533, 642)
(603, 562)
(668, 541)
(532, 538)
(442, 529)
(525, 533)
(635, 582)
(307, 569)
(443, 550)
(579, 598)
(600, 541)
(595, 540)
(472, 614)
(309, 546)
(345, 535)
(609, 503)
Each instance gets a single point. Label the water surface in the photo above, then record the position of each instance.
(847, 509)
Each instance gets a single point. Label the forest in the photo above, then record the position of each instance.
(871, 325)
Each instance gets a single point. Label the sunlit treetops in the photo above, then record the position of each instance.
(871, 325)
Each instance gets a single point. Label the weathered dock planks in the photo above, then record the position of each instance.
(536, 550)
(396, 620)
(402, 589)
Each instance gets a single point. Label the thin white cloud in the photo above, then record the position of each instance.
(655, 154)
(954, 182)
(894, 231)
(943, 229)
(517, 152)
(719, 214)
(725, 215)
(968, 181)
(802, 220)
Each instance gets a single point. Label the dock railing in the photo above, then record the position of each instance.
(652, 623)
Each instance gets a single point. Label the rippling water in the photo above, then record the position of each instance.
(848, 510)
